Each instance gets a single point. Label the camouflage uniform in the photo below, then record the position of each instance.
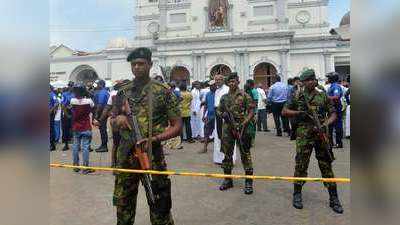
(165, 107)
(307, 139)
(239, 104)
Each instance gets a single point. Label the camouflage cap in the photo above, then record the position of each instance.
(307, 75)
(142, 53)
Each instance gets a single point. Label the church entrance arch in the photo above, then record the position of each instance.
(263, 73)
(84, 74)
(220, 69)
(180, 75)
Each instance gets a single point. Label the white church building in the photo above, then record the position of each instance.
(195, 39)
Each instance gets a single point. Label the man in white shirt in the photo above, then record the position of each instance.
(262, 110)
(195, 110)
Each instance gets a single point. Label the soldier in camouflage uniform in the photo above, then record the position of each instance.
(240, 105)
(307, 138)
(165, 110)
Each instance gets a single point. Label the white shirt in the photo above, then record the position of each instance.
(57, 117)
(219, 93)
(261, 98)
(195, 105)
(112, 94)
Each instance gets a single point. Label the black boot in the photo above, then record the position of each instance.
(248, 184)
(102, 148)
(297, 200)
(227, 183)
(65, 147)
(334, 202)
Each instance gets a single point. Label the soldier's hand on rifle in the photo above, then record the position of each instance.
(123, 122)
(144, 143)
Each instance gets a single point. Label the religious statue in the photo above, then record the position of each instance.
(217, 13)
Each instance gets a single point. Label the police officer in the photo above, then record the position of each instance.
(237, 110)
(100, 100)
(137, 95)
(335, 93)
(66, 117)
(307, 138)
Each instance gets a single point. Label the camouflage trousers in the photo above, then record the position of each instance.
(304, 149)
(228, 145)
(127, 184)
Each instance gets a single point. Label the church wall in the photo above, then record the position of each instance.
(310, 60)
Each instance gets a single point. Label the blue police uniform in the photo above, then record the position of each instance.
(335, 90)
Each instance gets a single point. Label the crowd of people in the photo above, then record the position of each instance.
(214, 111)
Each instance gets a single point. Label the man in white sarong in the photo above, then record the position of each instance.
(222, 89)
(195, 110)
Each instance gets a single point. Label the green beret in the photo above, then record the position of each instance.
(140, 53)
(307, 75)
(232, 75)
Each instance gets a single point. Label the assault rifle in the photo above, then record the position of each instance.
(144, 157)
(235, 130)
(321, 132)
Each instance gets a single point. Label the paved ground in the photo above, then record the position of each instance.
(78, 199)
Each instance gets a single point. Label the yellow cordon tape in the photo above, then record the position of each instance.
(213, 175)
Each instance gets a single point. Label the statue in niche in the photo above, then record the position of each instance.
(217, 12)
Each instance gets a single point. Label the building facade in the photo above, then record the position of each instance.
(195, 39)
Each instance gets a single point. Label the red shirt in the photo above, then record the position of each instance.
(81, 109)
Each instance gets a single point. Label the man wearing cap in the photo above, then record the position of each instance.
(335, 93)
(100, 100)
(237, 110)
(307, 138)
(140, 97)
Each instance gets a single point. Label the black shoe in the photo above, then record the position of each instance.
(102, 148)
(191, 141)
(297, 200)
(334, 202)
(340, 145)
(66, 148)
(248, 187)
(52, 147)
(267, 130)
(279, 134)
(87, 171)
(76, 170)
(228, 183)
(90, 149)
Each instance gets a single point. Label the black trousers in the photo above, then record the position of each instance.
(262, 120)
(66, 124)
(219, 121)
(188, 128)
(276, 109)
(103, 132)
(52, 131)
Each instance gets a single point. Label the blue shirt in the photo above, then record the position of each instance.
(278, 93)
(101, 97)
(52, 100)
(66, 98)
(210, 100)
(335, 90)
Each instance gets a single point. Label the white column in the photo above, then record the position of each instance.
(203, 65)
(109, 70)
(328, 63)
(163, 16)
(281, 14)
(283, 53)
(246, 66)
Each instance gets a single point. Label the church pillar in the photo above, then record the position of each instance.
(283, 53)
